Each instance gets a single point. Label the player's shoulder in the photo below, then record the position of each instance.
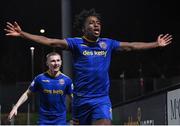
(75, 39)
(109, 41)
(41, 76)
(78, 38)
(65, 76)
(105, 39)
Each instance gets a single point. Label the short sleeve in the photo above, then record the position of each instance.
(34, 85)
(69, 88)
(71, 43)
(115, 44)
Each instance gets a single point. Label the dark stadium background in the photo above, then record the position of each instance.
(124, 20)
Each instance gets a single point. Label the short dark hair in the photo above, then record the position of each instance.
(81, 18)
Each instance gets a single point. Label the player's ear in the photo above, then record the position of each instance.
(61, 62)
(83, 29)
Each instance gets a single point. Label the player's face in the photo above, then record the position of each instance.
(54, 63)
(92, 27)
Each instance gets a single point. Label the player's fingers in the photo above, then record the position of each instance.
(8, 23)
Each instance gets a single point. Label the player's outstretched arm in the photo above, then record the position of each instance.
(162, 41)
(13, 29)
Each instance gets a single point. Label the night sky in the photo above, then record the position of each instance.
(124, 20)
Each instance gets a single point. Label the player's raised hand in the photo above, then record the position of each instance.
(164, 40)
(13, 29)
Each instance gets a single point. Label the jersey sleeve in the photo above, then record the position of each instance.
(71, 43)
(34, 85)
(69, 88)
(115, 44)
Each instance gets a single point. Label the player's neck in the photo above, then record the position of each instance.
(53, 73)
(90, 39)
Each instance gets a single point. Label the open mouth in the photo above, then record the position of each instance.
(96, 31)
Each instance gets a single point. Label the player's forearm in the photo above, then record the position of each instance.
(21, 100)
(144, 45)
(38, 38)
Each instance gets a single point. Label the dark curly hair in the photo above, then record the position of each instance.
(81, 18)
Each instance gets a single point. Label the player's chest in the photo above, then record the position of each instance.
(92, 51)
(53, 84)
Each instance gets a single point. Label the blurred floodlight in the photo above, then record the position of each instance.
(42, 31)
(31, 48)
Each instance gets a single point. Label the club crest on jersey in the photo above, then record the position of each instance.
(61, 81)
(103, 45)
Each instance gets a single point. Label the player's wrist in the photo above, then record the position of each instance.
(21, 33)
(15, 107)
(157, 44)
